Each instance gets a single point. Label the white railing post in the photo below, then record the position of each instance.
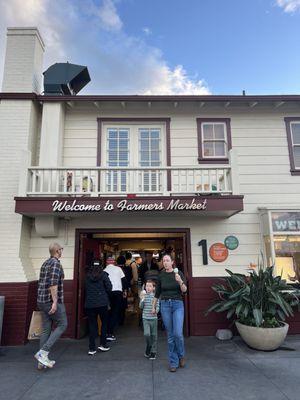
(234, 172)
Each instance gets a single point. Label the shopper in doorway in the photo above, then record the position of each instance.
(170, 288)
(147, 267)
(97, 290)
(149, 319)
(50, 301)
(118, 281)
(121, 262)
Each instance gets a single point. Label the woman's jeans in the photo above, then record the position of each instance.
(172, 312)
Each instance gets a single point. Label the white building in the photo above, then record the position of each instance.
(110, 173)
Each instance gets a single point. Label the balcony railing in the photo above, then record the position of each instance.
(121, 181)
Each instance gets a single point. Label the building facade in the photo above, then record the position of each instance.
(215, 177)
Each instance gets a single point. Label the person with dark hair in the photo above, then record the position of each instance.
(170, 288)
(121, 262)
(147, 268)
(97, 291)
(118, 281)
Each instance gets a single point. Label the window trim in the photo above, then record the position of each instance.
(164, 120)
(288, 121)
(213, 160)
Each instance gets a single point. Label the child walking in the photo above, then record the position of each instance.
(149, 319)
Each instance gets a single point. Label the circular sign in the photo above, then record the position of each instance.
(231, 242)
(218, 252)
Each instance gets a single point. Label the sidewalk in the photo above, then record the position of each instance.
(215, 370)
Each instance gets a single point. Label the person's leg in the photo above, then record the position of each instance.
(178, 317)
(46, 323)
(103, 312)
(60, 318)
(93, 331)
(147, 335)
(167, 316)
(153, 336)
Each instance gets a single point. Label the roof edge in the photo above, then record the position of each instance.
(204, 98)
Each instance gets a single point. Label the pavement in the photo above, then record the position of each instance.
(214, 370)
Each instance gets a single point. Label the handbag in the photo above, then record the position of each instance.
(36, 325)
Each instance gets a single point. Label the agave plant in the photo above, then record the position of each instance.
(259, 299)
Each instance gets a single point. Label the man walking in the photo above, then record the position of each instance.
(50, 301)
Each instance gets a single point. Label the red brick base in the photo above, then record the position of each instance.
(20, 301)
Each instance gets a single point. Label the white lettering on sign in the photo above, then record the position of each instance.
(125, 205)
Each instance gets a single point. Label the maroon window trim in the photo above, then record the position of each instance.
(207, 160)
(288, 120)
(167, 121)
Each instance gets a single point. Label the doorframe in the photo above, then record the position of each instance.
(188, 273)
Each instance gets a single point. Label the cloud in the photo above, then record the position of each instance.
(289, 6)
(147, 31)
(94, 35)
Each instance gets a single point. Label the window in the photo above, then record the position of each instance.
(139, 144)
(117, 156)
(150, 147)
(293, 137)
(150, 156)
(214, 140)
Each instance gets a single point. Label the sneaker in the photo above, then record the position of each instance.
(41, 366)
(147, 352)
(42, 357)
(152, 356)
(92, 352)
(111, 338)
(103, 348)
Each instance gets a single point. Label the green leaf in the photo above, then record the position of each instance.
(257, 314)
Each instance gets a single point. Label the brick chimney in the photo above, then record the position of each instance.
(23, 61)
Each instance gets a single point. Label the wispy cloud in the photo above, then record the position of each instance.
(289, 6)
(147, 31)
(94, 34)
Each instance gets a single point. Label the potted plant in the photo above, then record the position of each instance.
(259, 303)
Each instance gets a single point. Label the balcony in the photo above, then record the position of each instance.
(123, 181)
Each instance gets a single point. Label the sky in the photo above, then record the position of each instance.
(168, 46)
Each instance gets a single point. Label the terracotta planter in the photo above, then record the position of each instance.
(262, 338)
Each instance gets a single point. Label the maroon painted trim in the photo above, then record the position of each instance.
(18, 96)
(288, 120)
(205, 98)
(207, 160)
(188, 270)
(43, 205)
(165, 120)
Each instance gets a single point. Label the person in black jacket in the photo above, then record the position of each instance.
(97, 290)
(148, 265)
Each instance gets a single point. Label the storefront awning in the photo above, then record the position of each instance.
(213, 205)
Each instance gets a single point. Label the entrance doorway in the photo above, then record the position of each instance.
(100, 243)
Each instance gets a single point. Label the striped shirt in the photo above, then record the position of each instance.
(51, 274)
(146, 306)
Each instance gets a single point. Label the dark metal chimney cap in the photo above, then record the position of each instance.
(65, 79)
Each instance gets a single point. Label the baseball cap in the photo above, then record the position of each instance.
(110, 260)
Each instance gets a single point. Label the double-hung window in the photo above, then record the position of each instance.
(117, 156)
(293, 137)
(150, 156)
(214, 140)
(139, 147)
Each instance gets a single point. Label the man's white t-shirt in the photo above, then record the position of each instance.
(115, 274)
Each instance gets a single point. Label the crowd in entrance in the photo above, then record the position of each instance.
(152, 285)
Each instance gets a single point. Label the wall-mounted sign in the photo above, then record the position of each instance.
(101, 205)
(231, 242)
(218, 252)
(286, 222)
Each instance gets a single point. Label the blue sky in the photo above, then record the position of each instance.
(169, 46)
